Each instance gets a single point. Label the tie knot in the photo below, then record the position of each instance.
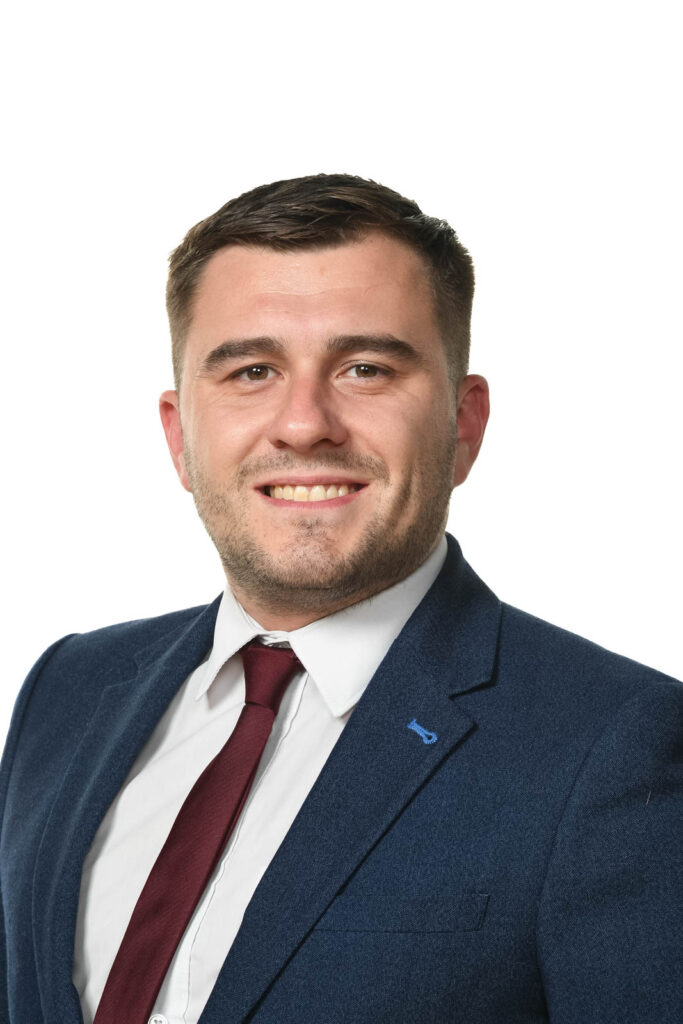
(267, 672)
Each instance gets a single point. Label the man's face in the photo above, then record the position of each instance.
(316, 426)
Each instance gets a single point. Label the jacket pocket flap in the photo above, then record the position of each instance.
(383, 914)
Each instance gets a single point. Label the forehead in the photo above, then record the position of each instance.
(375, 284)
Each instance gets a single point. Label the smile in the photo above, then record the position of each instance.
(315, 492)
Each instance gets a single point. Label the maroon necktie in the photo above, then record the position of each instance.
(194, 844)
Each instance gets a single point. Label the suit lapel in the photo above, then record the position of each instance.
(375, 769)
(125, 717)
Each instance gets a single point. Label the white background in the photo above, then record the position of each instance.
(548, 134)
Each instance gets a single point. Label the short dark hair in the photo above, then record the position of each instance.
(322, 210)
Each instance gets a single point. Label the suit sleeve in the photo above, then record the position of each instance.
(4, 1004)
(6, 763)
(610, 925)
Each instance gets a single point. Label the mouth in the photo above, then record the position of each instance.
(312, 492)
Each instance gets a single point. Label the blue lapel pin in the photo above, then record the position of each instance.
(427, 736)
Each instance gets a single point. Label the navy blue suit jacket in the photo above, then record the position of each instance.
(525, 866)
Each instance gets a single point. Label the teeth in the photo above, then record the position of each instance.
(316, 493)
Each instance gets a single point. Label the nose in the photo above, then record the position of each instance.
(307, 416)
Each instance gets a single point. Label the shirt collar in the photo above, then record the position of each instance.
(341, 652)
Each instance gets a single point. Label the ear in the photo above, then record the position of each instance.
(473, 414)
(170, 418)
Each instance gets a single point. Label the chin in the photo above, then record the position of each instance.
(304, 565)
(306, 578)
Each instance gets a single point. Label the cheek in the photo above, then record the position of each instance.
(428, 446)
(223, 440)
(409, 441)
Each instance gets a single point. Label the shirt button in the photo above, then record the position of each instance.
(157, 1018)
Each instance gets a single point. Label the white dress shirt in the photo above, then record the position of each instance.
(340, 654)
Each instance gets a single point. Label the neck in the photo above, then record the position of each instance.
(297, 607)
(272, 617)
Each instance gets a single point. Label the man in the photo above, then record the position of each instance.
(454, 811)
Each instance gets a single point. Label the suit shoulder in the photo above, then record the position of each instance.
(558, 653)
(69, 676)
(107, 654)
(135, 633)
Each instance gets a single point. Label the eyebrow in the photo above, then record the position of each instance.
(248, 348)
(381, 344)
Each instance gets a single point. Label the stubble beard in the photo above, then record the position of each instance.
(313, 577)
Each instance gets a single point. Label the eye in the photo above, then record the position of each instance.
(365, 371)
(256, 372)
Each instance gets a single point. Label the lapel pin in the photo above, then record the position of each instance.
(427, 736)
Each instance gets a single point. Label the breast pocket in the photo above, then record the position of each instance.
(461, 913)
